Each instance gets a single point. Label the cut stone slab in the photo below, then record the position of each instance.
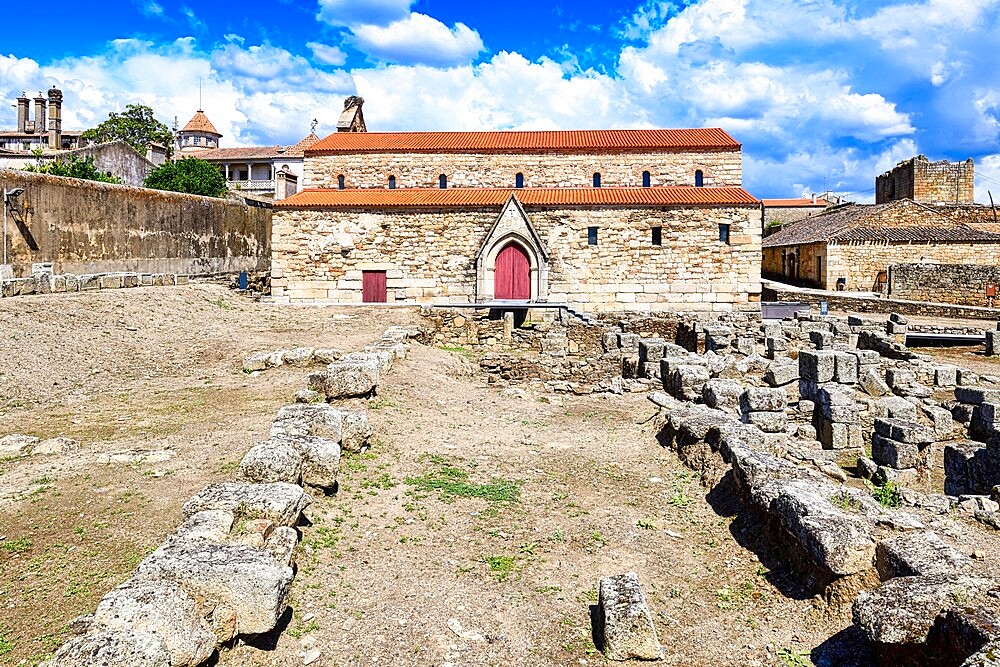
(319, 458)
(164, 609)
(56, 446)
(301, 419)
(720, 393)
(779, 375)
(895, 454)
(759, 399)
(256, 362)
(300, 356)
(768, 422)
(245, 579)
(628, 630)
(872, 382)
(895, 407)
(356, 431)
(816, 366)
(897, 616)
(977, 395)
(280, 502)
(904, 430)
(15, 445)
(112, 649)
(917, 554)
(272, 461)
(351, 377)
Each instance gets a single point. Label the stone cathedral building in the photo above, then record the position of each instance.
(600, 220)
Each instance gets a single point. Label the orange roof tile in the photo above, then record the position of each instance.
(298, 150)
(246, 153)
(507, 141)
(494, 197)
(794, 203)
(200, 123)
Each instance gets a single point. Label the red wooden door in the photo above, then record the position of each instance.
(512, 276)
(373, 286)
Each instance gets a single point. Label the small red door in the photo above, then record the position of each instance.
(512, 276)
(373, 286)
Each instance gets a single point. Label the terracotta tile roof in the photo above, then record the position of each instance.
(510, 141)
(495, 197)
(246, 153)
(795, 203)
(200, 123)
(902, 220)
(298, 150)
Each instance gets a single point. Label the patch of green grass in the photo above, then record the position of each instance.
(597, 537)
(887, 495)
(646, 524)
(501, 567)
(17, 546)
(789, 657)
(303, 628)
(451, 482)
(43, 480)
(5, 644)
(383, 481)
(678, 499)
(844, 501)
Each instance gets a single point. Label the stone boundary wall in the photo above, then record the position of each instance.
(541, 169)
(963, 284)
(848, 303)
(227, 570)
(85, 227)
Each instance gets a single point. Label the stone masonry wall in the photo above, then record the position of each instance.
(953, 283)
(429, 256)
(930, 182)
(84, 227)
(860, 263)
(482, 170)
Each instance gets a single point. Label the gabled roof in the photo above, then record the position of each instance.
(257, 152)
(508, 141)
(200, 123)
(491, 197)
(901, 220)
(795, 203)
(298, 150)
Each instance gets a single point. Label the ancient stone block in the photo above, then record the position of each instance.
(720, 393)
(823, 340)
(916, 554)
(895, 454)
(816, 366)
(281, 503)
(967, 378)
(779, 375)
(895, 407)
(121, 648)
(348, 378)
(768, 422)
(162, 608)
(758, 399)
(300, 356)
(651, 350)
(245, 579)
(686, 381)
(945, 376)
(626, 625)
(976, 395)
(845, 368)
(628, 343)
(320, 459)
(835, 435)
(904, 431)
(992, 343)
(272, 461)
(899, 376)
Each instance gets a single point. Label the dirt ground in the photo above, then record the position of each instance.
(474, 531)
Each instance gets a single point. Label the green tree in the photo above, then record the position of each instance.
(136, 126)
(73, 167)
(190, 175)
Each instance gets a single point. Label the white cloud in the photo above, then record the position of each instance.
(419, 39)
(348, 13)
(329, 55)
(988, 179)
(152, 8)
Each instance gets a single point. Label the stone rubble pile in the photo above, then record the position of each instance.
(826, 391)
(226, 571)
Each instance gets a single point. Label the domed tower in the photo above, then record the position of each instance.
(198, 135)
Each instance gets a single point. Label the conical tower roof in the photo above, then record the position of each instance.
(200, 123)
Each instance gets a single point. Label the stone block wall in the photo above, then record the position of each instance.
(429, 255)
(963, 284)
(929, 182)
(861, 262)
(543, 169)
(84, 227)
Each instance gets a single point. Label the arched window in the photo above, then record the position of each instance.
(340, 182)
(597, 179)
(392, 182)
(645, 179)
(519, 180)
(699, 179)
(443, 182)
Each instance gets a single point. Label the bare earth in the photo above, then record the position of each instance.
(474, 532)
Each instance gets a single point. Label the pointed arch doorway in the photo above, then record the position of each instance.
(512, 274)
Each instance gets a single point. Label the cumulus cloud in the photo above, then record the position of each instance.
(327, 54)
(347, 13)
(419, 39)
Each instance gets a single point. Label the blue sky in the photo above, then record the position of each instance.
(823, 94)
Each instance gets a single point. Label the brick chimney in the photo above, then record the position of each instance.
(40, 126)
(55, 118)
(23, 109)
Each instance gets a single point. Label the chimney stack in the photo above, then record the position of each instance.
(55, 118)
(23, 107)
(40, 126)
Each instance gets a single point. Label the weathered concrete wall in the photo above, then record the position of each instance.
(489, 170)
(429, 255)
(852, 303)
(84, 227)
(953, 283)
(116, 158)
(930, 182)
